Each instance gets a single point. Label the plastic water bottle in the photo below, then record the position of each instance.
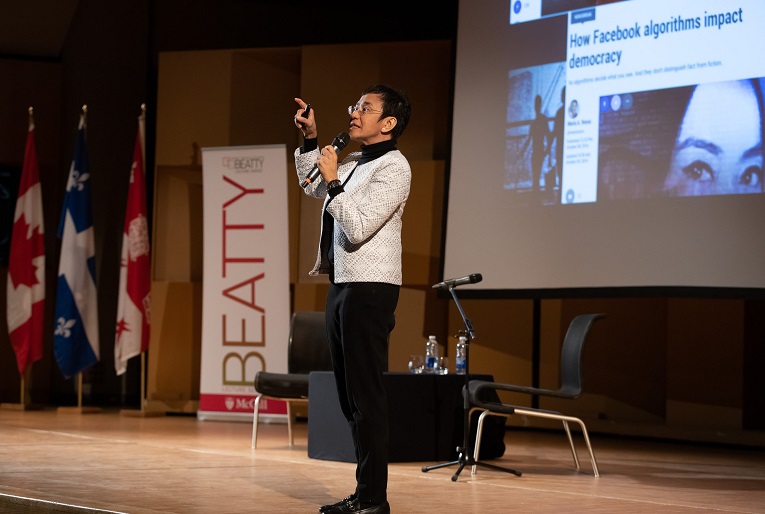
(459, 356)
(431, 355)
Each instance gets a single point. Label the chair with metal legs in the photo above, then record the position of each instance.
(307, 351)
(570, 387)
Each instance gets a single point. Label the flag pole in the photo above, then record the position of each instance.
(142, 135)
(23, 400)
(24, 403)
(142, 411)
(143, 381)
(79, 409)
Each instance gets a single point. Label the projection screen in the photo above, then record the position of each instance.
(608, 145)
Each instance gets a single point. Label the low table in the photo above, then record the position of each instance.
(425, 413)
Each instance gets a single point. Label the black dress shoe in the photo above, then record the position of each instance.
(346, 507)
(324, 509)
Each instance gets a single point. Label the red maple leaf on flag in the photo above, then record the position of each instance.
(23, 273)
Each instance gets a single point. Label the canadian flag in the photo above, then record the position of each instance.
(26, 265)
(133, 308)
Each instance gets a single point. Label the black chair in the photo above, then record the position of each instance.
(307, 351)
(570, 387)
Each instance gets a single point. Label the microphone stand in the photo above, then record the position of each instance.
(464, 452)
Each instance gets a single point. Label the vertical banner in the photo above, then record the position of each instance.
(245, 305)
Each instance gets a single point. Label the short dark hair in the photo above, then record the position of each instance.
(395, 103)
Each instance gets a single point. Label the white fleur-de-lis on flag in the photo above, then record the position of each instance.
(77, 180)
(63, 327)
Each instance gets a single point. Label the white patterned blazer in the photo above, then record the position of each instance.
(367, 216)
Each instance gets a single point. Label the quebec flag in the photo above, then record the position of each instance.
(75, 338)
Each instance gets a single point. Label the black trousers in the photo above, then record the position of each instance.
(360, 317)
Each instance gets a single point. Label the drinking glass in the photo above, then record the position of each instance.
(416, 364)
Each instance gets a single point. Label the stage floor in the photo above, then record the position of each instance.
(108, 462)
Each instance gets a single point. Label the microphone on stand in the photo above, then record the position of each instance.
(454, 282)
(340, 141)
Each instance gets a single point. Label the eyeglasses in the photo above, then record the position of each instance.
(362, 108)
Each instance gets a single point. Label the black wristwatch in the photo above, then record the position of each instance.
(332, 184)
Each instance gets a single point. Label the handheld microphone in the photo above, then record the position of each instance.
(340, 141)
(454, 282)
